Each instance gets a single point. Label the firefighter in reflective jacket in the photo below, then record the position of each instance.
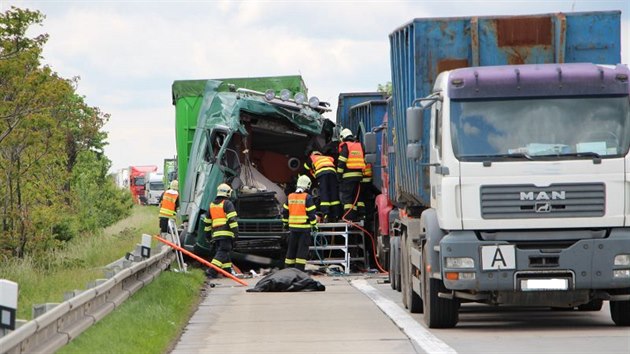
(322, 168)
(350, 167)
(169, 202)
(365, 190)
(299, 214)
(221, 228)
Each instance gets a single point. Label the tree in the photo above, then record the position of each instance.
(387, 88)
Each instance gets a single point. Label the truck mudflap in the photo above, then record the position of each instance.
(470, 264)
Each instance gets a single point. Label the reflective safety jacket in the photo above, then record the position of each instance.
(169, 204)
(320, 165)
(222, 219)
(351, 160)
(299, 212)
(367, 173)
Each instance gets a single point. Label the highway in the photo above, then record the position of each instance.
(358, 314)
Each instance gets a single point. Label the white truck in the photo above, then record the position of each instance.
(154, 187)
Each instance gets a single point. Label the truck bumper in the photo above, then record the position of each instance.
(586, 264)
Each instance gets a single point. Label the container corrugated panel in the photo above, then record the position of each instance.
(423, 48)
(367, 116)
(347, 100)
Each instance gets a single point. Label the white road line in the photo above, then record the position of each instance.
(419, 334)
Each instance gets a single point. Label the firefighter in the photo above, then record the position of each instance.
(322, 168)
(221, 228)
(299, 215)
(169, 203)
(365, 191)
(350, 165)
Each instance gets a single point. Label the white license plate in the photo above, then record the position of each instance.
(498, 257)
(544, 284)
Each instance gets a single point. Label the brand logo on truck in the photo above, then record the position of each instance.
(553, 195)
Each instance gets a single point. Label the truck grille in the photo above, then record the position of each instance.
(554, 201)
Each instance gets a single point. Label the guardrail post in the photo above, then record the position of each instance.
(41, 309)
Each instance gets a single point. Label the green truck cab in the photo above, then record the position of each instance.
(254, 134)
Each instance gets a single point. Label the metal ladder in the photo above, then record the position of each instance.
(338, 243)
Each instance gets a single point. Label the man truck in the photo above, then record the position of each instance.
(505, 161)
(254, 134)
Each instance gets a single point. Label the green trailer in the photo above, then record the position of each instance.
(254, 134)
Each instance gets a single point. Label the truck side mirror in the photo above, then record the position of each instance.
(415, 123)
(369, 140)
(370, 158)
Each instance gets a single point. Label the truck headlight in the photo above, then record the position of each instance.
(313, 102)
(622, 260)
(299, 98)
(621, 273)
(285, 95)
(460, 262)
(270, 95)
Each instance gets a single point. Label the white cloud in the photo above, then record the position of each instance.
(128, 53)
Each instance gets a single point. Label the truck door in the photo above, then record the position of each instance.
(435, 158)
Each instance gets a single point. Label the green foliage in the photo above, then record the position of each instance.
(99, 202)
(54, 184)
(72, 265)
(387, 88)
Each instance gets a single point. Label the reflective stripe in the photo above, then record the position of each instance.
(167, 206)
(352, 174)
(289, 261)
(300, 261)
(217, 263)
(222, 233)
(231, 215)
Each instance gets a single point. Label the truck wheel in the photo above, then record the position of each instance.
(404, 269)
(593, 305)
(398, 266)
(392, 264)
(620, 312)
(438, 312)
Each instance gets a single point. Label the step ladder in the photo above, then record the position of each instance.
(338, 243)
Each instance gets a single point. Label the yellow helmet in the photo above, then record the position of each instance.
(315, 152)
(174, 184)
(224, 190)
(304, 182)
(345, 133)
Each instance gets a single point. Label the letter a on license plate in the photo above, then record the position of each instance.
(498, 257)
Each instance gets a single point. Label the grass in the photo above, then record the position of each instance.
(165, 304)
(148, 322)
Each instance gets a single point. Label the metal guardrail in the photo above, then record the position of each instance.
(65, 321)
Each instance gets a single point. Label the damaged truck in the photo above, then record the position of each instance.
(254, 134)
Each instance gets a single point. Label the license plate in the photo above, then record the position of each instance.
(498, 257)
(544, 284)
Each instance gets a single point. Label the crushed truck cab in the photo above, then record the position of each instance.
(254, 134)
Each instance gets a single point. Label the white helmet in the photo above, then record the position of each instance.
(304, 182)
(174, 184)
(345, 133)
(223, 190)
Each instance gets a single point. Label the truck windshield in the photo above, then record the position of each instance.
(540, 128)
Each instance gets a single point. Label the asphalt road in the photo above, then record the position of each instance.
(483, 329)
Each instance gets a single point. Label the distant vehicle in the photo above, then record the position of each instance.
(122, 178)
(170, 171)
(137, 182)
(154, 187)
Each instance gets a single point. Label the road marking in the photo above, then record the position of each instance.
(416, 332)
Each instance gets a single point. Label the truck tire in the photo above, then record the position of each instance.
(398, 266)
(411, 300)
(404, 268)
(593, 305)
(438, 312)
(392, 265)
(620, 312)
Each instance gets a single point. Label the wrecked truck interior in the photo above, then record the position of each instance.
(258, 146)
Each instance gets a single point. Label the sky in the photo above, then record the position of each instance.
(128, 53)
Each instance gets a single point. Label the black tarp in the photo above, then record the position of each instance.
(287, 280)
